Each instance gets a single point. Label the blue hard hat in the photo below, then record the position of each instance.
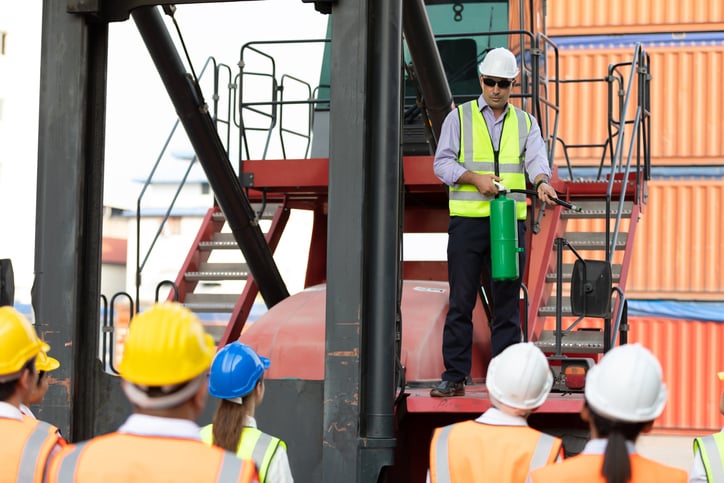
(235, 370)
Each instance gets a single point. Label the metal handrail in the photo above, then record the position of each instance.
(140, 265)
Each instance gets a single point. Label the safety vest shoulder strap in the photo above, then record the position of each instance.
(440, 469)
(711, 449)
(260, 447)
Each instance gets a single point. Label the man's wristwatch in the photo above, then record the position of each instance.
(540, 182)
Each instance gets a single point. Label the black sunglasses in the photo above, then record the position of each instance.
(503, 84)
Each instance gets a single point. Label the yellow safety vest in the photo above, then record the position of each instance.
(253, 444)
(477, 155)
(712, 455)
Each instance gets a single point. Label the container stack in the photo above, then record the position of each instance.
(675, 286)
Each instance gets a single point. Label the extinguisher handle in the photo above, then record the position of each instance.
(501, 188)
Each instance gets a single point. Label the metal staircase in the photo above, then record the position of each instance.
(215, 257)
(602, 230)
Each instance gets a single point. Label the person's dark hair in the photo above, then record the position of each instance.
(41, 375)
(229, 421)
(8, 388)
(616, 460)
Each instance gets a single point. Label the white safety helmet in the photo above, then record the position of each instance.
(499, 62)
(520, 377)
(626, 385)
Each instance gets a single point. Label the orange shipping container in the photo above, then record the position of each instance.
(691, 354)
(679, 244)
(687, 107)
(586, 17)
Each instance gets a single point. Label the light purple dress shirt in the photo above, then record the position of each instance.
(446, 165)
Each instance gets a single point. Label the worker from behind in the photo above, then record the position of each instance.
(709, 453)
(44, 364)
(484, 142)
(624, 394)
(499, 445)
(28, 443)
(237, 379)
(166, 358)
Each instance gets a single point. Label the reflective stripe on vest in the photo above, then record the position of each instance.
(477, 155)
(69, 464)
(542, 451)
(253, 444)
(442, 468)
(711, 449)
(33, 451)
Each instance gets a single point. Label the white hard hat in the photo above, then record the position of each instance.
(520, 376)
(499, 62)
(626, 385)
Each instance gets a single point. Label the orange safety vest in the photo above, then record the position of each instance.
(587, 467)
(120, 457)
(27, 444)
(474, 452)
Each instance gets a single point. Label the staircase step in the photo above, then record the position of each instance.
(568, 273)
(577, 341)
(597, 209)
(550, 310)
(221, 241)
(269, 210)
(211, 302)
(219, 271)
(593, 240)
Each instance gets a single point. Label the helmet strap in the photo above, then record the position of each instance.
(138, 394)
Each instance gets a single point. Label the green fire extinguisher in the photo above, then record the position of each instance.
(504, 247)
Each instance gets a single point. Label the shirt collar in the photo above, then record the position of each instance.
(496, 417)
(483, 106)
(598, 446)
(145, 425)
(8, 411)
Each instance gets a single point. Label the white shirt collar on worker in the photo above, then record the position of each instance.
(496, 417)
(598, 446)
(144, 425)
(8, 411)
(250, 422)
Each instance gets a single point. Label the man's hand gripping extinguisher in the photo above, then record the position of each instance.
(504, 247)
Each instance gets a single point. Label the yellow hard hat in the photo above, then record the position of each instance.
(166, 345)
(44, 362)
(18, 341)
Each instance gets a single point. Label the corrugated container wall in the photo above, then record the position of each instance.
(589, 17)
(679, 246)
(687, 104)
(690, 355)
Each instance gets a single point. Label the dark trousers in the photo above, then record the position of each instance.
(468, 258)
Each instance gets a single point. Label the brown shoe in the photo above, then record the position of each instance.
(448, 389)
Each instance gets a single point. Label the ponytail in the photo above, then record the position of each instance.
(616, 466)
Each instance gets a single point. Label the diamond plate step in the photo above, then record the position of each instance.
(597, 209)
(219, 271)
(577, 341)
(593, 240)
(211, 302)
(221, 241)
(568, 273)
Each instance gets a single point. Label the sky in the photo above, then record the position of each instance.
(139, 112)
